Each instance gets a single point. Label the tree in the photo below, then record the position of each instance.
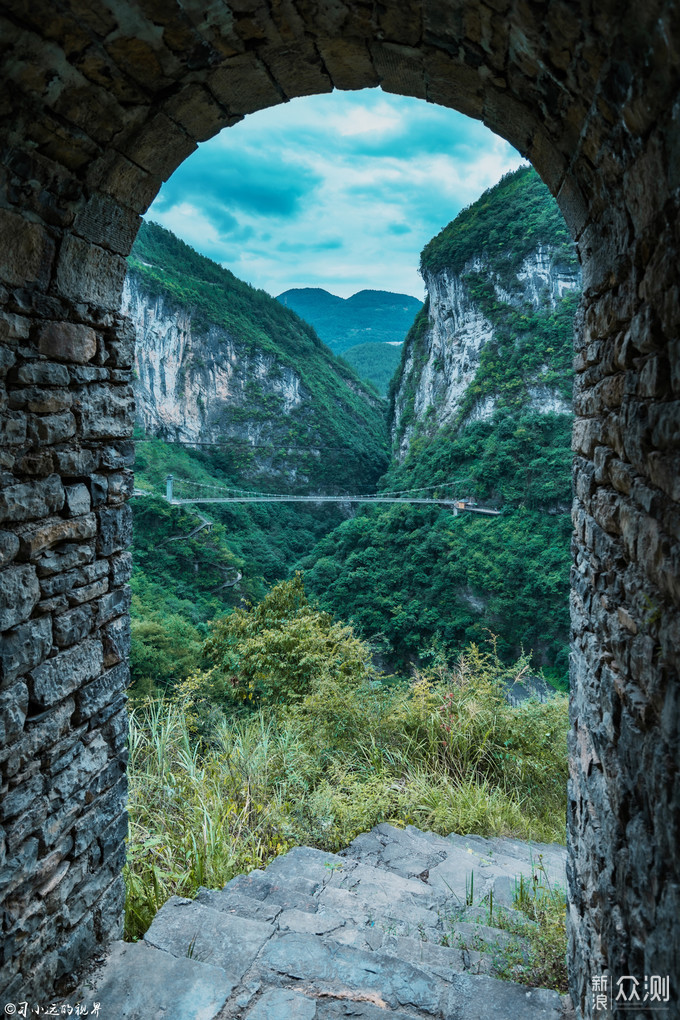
(278, 651)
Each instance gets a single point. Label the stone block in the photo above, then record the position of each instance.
(77, 500)
(121, 486)
(87, 592)
(160, 147)
(19, 593)
(108, 223)
(92, 698)
(113, 604)
(106, 411)
(109, 915)
(43, 373)
(195, 109)
(114, 458)
(159, 983)
(68, 341)
(99, 488)
(66, 556)
(88, 373)
(75, 462)
(73, 626)
(7, 360)
(12, 428)
(29, 500)
(217, 938)
(24, 648)
(59, 676)
(121, 567)
(35, 538)
(9, 547)
(14, 327)
(80, 945)
(80, 772)
(27, 823)
(18, 867)
(88, 273)
(74, 579)
(242, 84)
(35, 462)
(27, 251)
(116, 636)
(13, 708)
(40, 734)
(115, 529)
(20, 798)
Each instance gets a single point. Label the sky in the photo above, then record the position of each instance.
(339, 191)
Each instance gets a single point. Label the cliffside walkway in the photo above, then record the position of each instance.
(399, 926)
(193, 492)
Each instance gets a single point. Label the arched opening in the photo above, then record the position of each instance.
(104, 106)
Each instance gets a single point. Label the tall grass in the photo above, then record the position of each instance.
(445, 753)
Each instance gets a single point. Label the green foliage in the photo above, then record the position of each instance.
(371, 316)
(339, 414)
(502, 227)
(350, 753)
(277, 651)
(179, 577)
(410, 576)
(374, 362)
(407, 577)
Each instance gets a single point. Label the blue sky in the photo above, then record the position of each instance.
(338, 191)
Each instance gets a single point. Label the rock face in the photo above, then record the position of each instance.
(443, 359)
(195, 383)
(220, 363)
(393, 926)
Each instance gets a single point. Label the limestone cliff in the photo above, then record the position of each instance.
(220, 363)
(190, 383)
(442, 378)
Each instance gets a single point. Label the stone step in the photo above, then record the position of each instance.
(137, 982)
(318, 936)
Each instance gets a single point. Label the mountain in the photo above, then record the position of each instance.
(222, 363)
(481, 407)
(370, 316)
(232, 390)
(376, 363)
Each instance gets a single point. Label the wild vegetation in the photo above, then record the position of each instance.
(305, 708)
(502, 227)
(376, 363)
(290, 735)
(415, 579)
(337, 433)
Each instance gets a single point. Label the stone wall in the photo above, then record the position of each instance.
(100, 102)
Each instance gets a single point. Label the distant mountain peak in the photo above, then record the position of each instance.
(369, 315)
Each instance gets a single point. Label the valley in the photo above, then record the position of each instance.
(331, 666)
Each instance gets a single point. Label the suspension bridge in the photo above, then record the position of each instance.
(180, 491)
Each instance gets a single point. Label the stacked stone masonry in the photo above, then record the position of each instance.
(100, 102)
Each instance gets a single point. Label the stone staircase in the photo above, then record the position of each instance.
(398, 925)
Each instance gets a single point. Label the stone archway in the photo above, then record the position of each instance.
(101, 102)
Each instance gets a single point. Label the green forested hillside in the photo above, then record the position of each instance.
(340, 415)
(335, 439)
(376, 363)
(370, 316)
(413, 578)
(503, 226)
(281, 727)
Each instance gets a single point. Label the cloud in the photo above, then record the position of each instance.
(340, 191)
